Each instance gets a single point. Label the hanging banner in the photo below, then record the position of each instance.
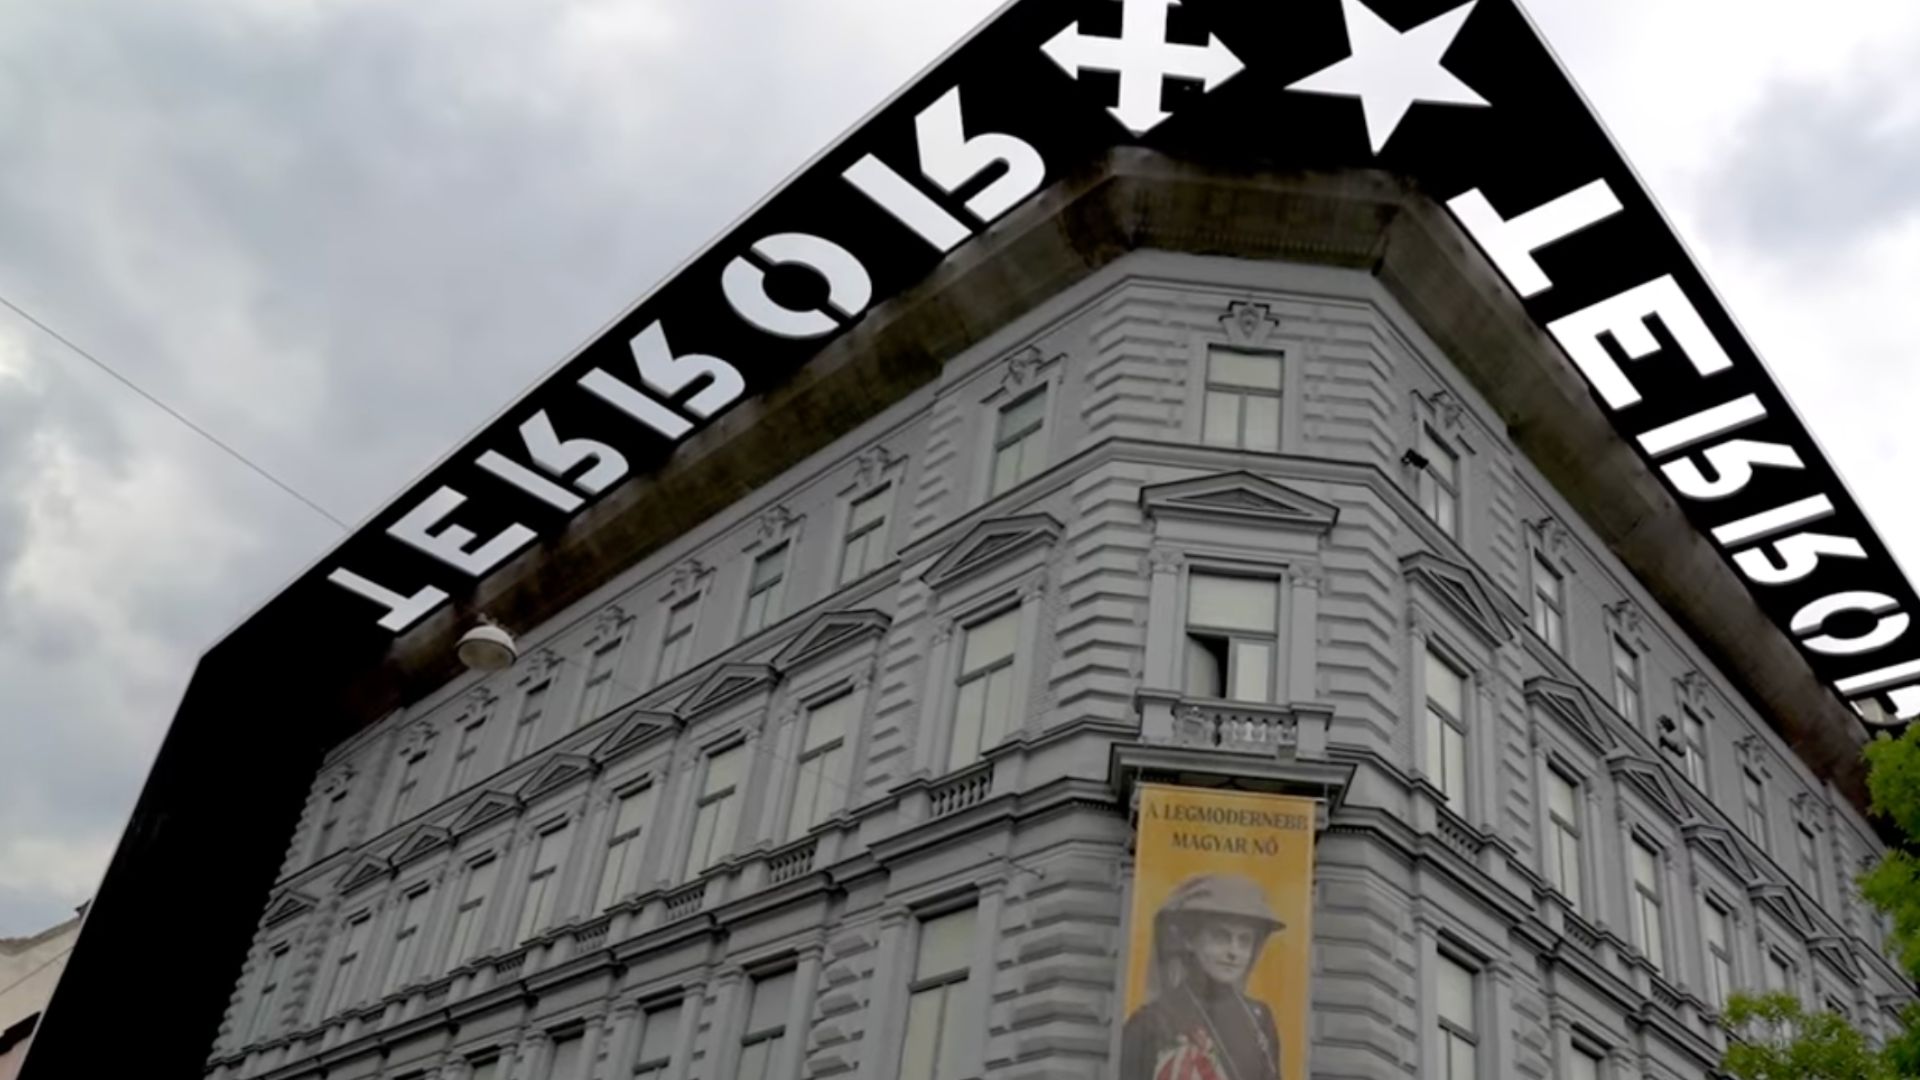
(1221, 932)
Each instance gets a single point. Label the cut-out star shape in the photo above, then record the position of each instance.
(1390, 70)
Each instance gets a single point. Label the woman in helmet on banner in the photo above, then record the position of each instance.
(1198, 1022)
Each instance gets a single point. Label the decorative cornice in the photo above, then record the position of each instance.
(873, 464)
(776, 524)
(1239, 496)
(1023, 366)
(636, 728)
(687, 577)
(991, 543)
(829, 634)
(724, 685)
(1249, 325)
(1460, 590)
(558, 772)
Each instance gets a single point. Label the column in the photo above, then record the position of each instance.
(621, 1039)
(1426, 1005)
(669, 853)
(980, 977)
(1485, 733)
(1499, 1031)
(1164, 619)
(683, 1040)
(879, 1044)
(1304, 583)
(806, 983)
(590, 1038)
(1413, 711)
(730, 994)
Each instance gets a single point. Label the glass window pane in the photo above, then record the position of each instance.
(485, 1070)
(1233, 603)
(1560, 797)
(755, 1061)
(766, 568)
(770, 997)
(806, 795)
(1221, 424)
(1644, 872)
(1251, 370)
(565, 1064)
(996, 714)
(946, 944)
(968, 715)
(954, 998)
(1585, 1066)
(830, 720)
(923, 1035)
(1460, 1061)
(1456, 768)
(990, 641)
(869, 511)
(657, 1036)
(1440, 460)
(1454, 994)
(723, 770)
(1023, 415)
(1252, 671)
(1263, 423)
(1446, 687)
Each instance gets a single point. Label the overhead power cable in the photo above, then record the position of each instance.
(169, 410)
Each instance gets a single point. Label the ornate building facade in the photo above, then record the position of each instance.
(838, 783)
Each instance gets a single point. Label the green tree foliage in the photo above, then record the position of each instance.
(1773, 1037)
(1777, 1040)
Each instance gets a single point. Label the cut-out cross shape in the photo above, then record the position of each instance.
(1144, 59)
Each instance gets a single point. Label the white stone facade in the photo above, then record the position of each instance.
(446, 908)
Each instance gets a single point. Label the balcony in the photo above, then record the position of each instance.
(1236, 727)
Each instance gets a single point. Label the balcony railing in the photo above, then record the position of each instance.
(1242, 728)
(686, 902)
(969, 789)
(790, 864)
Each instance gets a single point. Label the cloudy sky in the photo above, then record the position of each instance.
(341, 233)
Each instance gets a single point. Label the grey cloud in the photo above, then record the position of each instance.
(340, 235)
(1816, 167)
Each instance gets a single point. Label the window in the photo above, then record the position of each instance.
(406, 940)
(985, 694)
(866, 546)
(1243, 401)
(543, 884)
(1647, 930)
(276, 970)
(1446, 764)
(1231, 638)
(825, 759)
(717, 815)
(532, 708)
(1713, 928)
(1563, 836)
(471, 735)
(1626, 681)
(1583, 1064)
(346, 968)
(630, 816)
(565, 1062)
(766, 1031)
(1809, 861)
(1549, 603)
(330, 823)
(1016, 443)
(659, 1029)
(597, 694)
(1693, 739)
(765, 588)
(410, 770)
(469, 917)
(1779, 973)
(1458, 1012)
(1440, 483)
(485, 1070)
(1755, 794)
(936, 998)
(676, 647)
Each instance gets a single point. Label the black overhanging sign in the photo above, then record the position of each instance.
(1463, 99)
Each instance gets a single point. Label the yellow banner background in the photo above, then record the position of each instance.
(1278, 859)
